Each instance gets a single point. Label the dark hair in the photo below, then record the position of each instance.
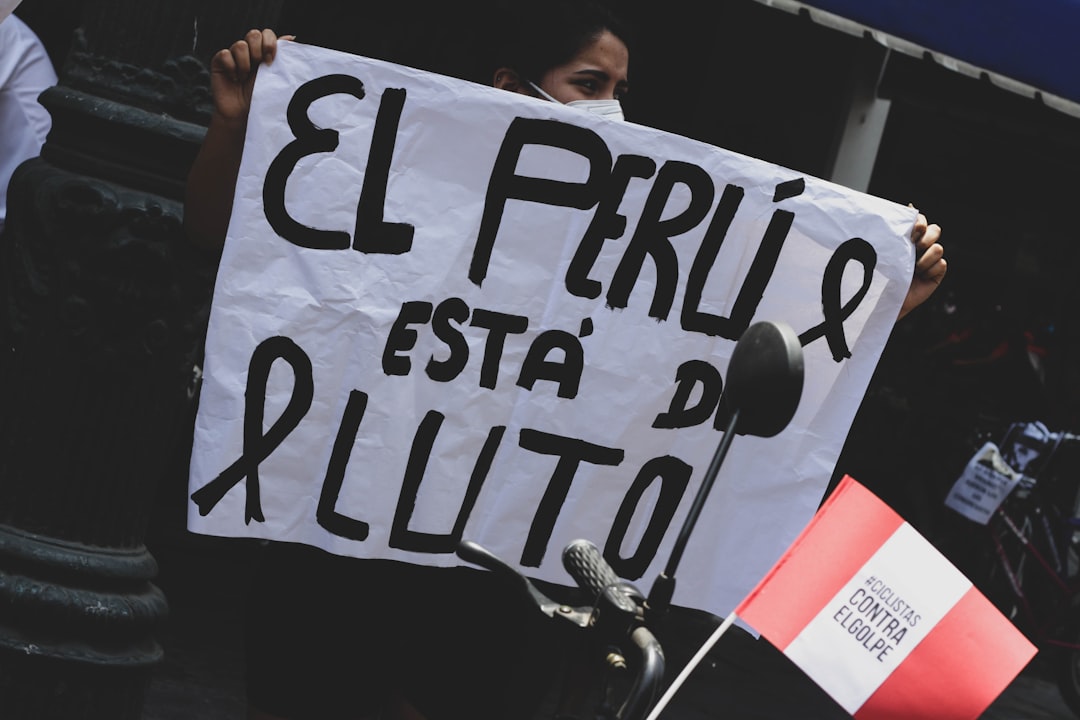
(535, 37)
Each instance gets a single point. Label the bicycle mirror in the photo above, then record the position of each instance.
(764, 379)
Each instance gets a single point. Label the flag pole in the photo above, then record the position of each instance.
(694, 661)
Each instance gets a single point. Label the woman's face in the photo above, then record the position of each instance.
(598, 72)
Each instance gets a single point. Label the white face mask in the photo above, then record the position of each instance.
(611, 109)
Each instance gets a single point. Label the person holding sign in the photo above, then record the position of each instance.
(308, 605)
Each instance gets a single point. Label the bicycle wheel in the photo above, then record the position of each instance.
(999, 571)
(1069, 664)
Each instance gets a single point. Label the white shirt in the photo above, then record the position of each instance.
(25, 70)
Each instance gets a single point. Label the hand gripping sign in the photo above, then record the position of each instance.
(446, 311)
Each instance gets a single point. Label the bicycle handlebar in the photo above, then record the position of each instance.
(587, 566)
(617, 616)
(642, 695)
(592, 573)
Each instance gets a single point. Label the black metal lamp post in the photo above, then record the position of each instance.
(102, 316)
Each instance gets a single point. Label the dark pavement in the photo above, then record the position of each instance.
(741, 679)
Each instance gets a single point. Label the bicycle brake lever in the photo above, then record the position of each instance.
(479, 555)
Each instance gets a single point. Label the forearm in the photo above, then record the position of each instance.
(211, 183)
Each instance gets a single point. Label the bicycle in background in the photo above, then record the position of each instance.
(1024, 490)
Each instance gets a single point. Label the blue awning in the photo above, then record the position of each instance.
(1028, 46)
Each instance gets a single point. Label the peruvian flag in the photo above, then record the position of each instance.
(877, 617)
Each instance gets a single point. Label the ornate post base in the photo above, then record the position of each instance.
(75, 629)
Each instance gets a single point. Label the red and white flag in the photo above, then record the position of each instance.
(883, 622)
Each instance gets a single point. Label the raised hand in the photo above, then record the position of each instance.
(232, 72)
(930, 265)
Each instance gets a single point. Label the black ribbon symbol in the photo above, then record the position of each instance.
(258, 446)
(832, 327)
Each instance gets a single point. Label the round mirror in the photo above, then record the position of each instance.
(764, 379)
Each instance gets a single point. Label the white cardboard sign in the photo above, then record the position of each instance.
(448, 311)
(983, 485)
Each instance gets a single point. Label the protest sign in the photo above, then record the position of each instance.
(993, 473)
(447, 311)
(983, 485)
(881, 620)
